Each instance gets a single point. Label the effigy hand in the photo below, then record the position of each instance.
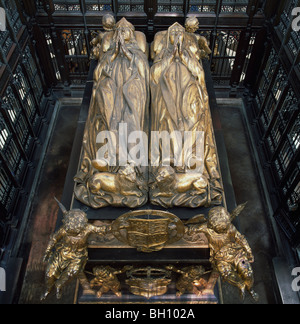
(175, 48)
(126, 51)
(180, 43)
(117, 49)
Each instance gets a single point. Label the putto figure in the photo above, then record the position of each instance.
(231, 254)
(191, 280)
(191, 26)
(106, 280)
(67, 252)
(109, 24)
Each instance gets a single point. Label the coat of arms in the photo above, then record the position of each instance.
(148, 230)
(148, 282)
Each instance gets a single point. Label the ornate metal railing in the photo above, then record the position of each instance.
(226, 23)
(21, 116)
(275, 114)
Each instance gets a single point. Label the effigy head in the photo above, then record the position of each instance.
(174, 32)
(219, 219)
(125, 29)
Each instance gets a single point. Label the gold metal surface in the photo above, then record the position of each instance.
(192, 280)
(67, 252)
(180, 106)
(109, 241)
(148, 282)
(106, 279)
(120, 97)
(231, 255)
(109, 24)
(148, 230)
(191, 26)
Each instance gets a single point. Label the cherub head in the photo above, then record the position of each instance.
(196, 272)
(191, 24)
(74, 221)
(108, 22)
(101, 271)
(219, 220)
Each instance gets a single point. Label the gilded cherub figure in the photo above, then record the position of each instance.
(191, 26)
(67, 252)
(191, 280)
(108, 22)
(106, 278)
(230, 254)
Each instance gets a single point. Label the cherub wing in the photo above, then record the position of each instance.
(198, 219)
(238, 211)
(203, 44)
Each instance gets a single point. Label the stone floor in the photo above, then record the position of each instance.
(44, 210)
(253, 221)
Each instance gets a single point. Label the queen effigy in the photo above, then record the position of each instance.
(120, 96)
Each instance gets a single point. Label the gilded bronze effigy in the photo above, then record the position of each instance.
(186, 172)
(108, 176)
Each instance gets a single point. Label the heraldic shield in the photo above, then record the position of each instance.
(148, 230)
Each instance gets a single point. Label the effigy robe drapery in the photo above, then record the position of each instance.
(183, 159)
(188, 176)
(120, 101)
